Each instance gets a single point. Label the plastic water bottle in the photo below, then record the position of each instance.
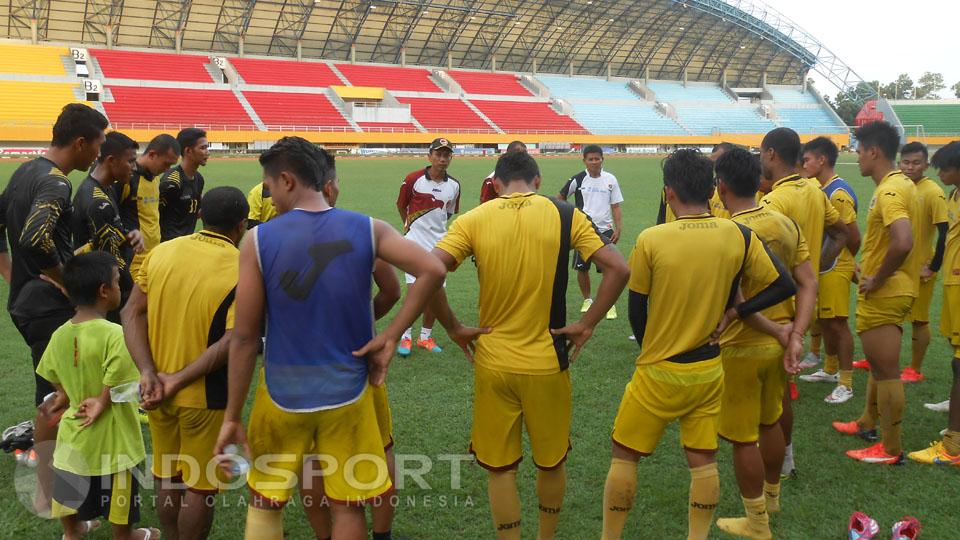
(239, 466)
(126, 393)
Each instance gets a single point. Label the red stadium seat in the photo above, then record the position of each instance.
(289, 109)
(517, 116)
(149, 66)
(176, 107)
(285, 72)
(391, 78)
(452, 114)
(500, 84)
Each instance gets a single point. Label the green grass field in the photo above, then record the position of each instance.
(431, 401)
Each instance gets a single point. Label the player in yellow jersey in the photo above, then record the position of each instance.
(932, 218)
(889, 284)
(753, 361)
(684, 278)
(803, 202)
(833, 300)
(947, 451)
(665, 215)
(522, 242)
(262, 209)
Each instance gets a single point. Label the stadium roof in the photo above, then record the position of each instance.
(662, 39)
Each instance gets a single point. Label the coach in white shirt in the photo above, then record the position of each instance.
(597, 193)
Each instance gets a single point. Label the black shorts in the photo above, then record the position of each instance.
(40, 309)
(115, 497)
(581, 265)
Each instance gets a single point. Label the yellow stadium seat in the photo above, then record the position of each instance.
(32, 59)
(33, 103)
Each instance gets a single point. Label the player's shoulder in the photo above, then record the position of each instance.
(415, 175)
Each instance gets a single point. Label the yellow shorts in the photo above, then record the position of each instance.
(346, 443)
(183, 440)
(921, 308)
(833, 297)
(381, 403)
(663, 392)
(501, 401)
(950, 316)
(875, 312)
(753, 384)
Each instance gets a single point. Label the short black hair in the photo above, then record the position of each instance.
(516, 146)
(785, 143)
(77, 121)
(298, 156)
(947, 157)
(162, 144)
(188, 137)
(115, 145)
(690, 174)
(592, 149)
(329, 161)
(740, 171)
(513, 166)
(822, 146)
(913, 148)
(724, 146)
(879, 134)
(223, 208)
(84, 274)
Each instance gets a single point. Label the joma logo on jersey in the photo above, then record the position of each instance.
(707, 225)
(511, 205)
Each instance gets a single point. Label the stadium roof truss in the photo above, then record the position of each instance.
(700, 40)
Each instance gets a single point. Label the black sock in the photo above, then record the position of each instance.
(382, 535)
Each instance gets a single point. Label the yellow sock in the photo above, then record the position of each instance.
(771, 492)
(831, 364)
(890, 400)
(951, 442)
(756, 524)
(264, 524)
(868, 420)
(815, 340)
(618, 494)
(703, 499)
(505, 504)
(551, 486)
(846, 378)
(920, 342)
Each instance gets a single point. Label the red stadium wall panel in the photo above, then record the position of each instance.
(152, 66)
(289, 109)
(285, 72)
(174, 108)
(391, 78)
(388, 127)
(498, 84)
(446, 114)
(520, 117)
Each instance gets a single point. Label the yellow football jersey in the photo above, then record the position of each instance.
(801, 200)
(933, 210)
(894, 198)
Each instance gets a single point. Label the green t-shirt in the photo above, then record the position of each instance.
(83, 358)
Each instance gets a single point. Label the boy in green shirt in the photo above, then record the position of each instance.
(99, 442)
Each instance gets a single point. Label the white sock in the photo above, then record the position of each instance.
(425, 333)
(408, 334)
(788, 464)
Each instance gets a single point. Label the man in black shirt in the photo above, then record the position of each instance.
(96, 220)
(182, 186)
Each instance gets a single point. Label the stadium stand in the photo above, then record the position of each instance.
(520, 117)
(573, 88)
(677, 92)
(289, 109)
(808, 120)
(33, 103)
(641, 118)
(391, 78)
(285, 72)
(452, 114)
(173, 107)
(498, 84)
(734, 119)
(150, 66)
(936, 119)
(388, 127)
(32, 60)
(792, 95)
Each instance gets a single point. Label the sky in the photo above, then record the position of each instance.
(881, 39)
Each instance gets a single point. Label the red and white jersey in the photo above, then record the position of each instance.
(488, 190)
(429, 204)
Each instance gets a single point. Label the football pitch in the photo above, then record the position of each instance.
(430, 395)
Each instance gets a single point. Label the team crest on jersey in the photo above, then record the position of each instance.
(873, 202)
